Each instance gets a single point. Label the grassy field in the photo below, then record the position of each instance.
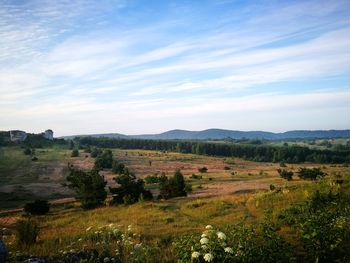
(232, 191)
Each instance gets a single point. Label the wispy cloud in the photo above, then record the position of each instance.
(115, 58)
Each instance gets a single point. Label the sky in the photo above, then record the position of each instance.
(136, 67)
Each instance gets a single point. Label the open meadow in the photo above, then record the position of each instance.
(231, 192)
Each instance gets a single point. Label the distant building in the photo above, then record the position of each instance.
(18, 136)
(48, 134)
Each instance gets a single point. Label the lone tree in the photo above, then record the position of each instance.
(88, 186)
(75, 153)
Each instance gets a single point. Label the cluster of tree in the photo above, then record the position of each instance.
(130, 190)
(89, 187)
(104, 160)
(285, 174)
(174, 186)
(312, 174)
(255, 152)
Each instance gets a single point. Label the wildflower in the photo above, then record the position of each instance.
(105, 260)
(228, 250)
(80, 239)
(89, 228)
(129, 228)
(196, 254)
(221, 235)
(204, 240)
(204, 247)
(209, 227)
(204, 235)
(208, 257)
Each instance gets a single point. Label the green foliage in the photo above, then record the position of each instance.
(312, 174)
(75, 153)
(261, 243)
(95, 152)
(285, 174)
(130, 190)
(27, 231)
(322, 225)
(104, 160)
(119, 168)
(38, 207)
(151, 179)
(88, 186)
(172, 187)
(255, 152)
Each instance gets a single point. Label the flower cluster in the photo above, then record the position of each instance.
(212, 247)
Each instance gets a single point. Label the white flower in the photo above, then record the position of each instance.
(129, 228)
(196, 254)
(204, 240)
(208, 257)
(80, 239)
(89, 228)
(110, 225)
(209, 227)
(204, 247)
(229, 250)
(204, 235)
(221, 235)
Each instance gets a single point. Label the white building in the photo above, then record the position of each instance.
(48, 134)
(17, 136)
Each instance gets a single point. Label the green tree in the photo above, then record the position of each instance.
(88, 186)
(104, 160)
(75, 153)
(288, 175)
(172, 187)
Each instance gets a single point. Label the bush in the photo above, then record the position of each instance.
(203, 169)
(312, 174)
(288, 175)
(197, 177)
(38, 207)
(95, 152)
(34, 159)
(75, 153)
(172, 187)
(27, 231)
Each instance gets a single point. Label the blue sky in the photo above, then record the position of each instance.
(136, 67)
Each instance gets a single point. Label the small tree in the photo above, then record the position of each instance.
(88, 186)
(104, 160)
(118, 168)
(173, 186)
(27, 231)
(288, 175)
(95, 152)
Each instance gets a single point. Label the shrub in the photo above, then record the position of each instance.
(34, 159)
(95, 152)
(288, 175)
(202, 169)
(38, 207)
(194, 176)
(227, 168)
(312, 174)
(172, 187)
(27, 231)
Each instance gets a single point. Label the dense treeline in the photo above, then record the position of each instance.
(260, 153)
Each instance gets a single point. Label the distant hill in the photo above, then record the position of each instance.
(222, 134)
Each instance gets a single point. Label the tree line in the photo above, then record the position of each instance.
(259, 153)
